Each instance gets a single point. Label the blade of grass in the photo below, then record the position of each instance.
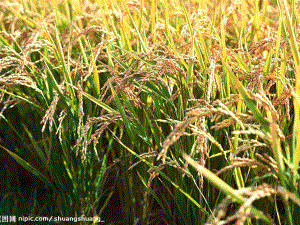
(294, 47)
(224, 187)
(28, 167)
(248, 101)
(141, 40)
(155, 196)
(99, 103)
(163, 175)
(121, 110)
(37, 149)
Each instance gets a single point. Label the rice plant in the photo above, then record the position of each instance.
(150, 112)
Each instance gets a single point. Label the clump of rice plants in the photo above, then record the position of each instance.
(151, 112)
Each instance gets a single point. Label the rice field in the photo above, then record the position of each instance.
(150, 111)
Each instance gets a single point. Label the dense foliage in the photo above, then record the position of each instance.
(151, 111)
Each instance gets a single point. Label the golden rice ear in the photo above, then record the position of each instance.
(49, 115)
